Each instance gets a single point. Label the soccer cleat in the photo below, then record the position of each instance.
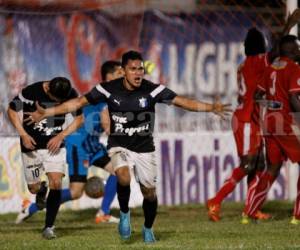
(213, 210)
(40, 198)
(124, 225)
(148, 235)
(105, 218)
(295, 221)
(48, 233)
(24, 214)
(262, 216)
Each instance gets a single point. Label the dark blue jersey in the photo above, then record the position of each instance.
(87, 136)
(132, 113)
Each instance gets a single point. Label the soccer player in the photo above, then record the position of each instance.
(42, 142)
(83, 150)
(245, 122)
(281, 88)
(131, 103)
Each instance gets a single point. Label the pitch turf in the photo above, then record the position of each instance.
(180, 227)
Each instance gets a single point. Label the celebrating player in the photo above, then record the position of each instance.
(84, 149)
(282, 89)
(131, 103)
(42, 142)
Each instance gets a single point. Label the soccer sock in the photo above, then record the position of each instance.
(252, 186)
(150, 209)
(260, 194)
(53, 203)
(123, 197)
(110, 190)
(229, 185)
(33, 208)
(66, 195)
(296, 212)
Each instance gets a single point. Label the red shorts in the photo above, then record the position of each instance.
(281, 147)
(247, 137)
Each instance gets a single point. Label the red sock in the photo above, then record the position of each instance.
(229, 185)
(252, 186)
(297, 202)
(260, 193)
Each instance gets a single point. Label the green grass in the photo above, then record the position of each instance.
(180, 227)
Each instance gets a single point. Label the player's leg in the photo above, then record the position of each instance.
(247, 141)
(120, 163)
(296, 213)
(275, 159)
(101, 160)
(55, 169)
(33, 170)
(78, 163)
(146, 174)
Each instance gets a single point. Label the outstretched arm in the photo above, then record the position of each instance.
(54, 144)
(66, 107)
(197, 106)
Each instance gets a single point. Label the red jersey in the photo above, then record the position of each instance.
(281, 79)
(250, 72)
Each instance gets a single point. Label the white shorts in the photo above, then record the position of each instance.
(39, 162)
(143, 164)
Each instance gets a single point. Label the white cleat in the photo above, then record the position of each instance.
(24, 214)
(105, 218)
(48, 233)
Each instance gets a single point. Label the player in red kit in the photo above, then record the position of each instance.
(281, 87)
(245, 123)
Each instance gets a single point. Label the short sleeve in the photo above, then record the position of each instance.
(25, 96)
(97, 94)
(294, 84)
(162, 94)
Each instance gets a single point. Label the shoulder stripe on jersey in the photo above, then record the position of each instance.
(156, 91)
(23, 99)
(103, 91)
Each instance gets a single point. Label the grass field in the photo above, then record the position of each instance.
(181, 227)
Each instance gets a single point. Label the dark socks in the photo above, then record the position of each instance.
(53, 203)
(150, 209)
(123, 197)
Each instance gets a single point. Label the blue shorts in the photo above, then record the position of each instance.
(79, 160)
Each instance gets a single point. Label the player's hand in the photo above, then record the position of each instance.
(220, 109)
(293, 18)
(54, 144)
(35, 116)
(28, 142)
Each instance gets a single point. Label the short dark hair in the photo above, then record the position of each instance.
(60, 87)
(254, 42)
(109, 67)
(131, 55)
(288, 39)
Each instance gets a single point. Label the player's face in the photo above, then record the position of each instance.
(119, 72)
(134, 73)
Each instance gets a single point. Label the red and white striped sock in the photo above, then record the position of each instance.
(229, 185)
(252, 187)
(296, 212)
(260, 194)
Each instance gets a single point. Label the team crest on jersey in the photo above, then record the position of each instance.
(143, 103)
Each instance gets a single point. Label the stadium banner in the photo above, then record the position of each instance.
(194, 55)
(191, 167)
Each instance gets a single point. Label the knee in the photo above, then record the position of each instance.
(76, 193)
(149, 193)
(123, 176)
(34, 188)
(55, 184)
